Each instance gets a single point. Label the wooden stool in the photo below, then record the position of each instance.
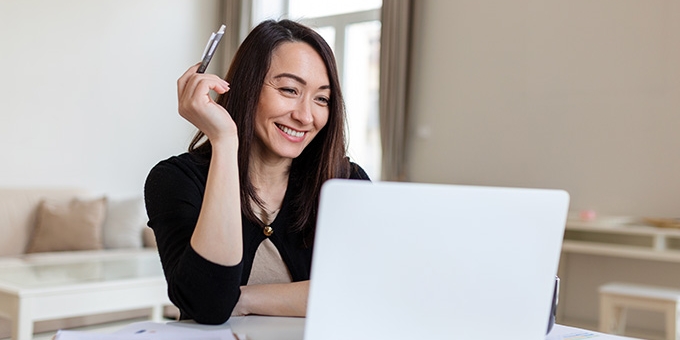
(616, 298)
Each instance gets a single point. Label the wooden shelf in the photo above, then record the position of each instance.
(623, 237)
(624, 251)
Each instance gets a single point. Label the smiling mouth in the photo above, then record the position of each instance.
(290, 131)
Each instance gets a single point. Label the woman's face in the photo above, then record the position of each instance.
(293, 105)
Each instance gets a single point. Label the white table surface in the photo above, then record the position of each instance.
(268, 328)
(287, 328)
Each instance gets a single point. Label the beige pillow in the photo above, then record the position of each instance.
(124, 223)
(74, 225)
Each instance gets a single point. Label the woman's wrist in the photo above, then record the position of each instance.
(241, 308)
(225, 143)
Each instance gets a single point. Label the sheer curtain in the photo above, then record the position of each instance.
(394, 67)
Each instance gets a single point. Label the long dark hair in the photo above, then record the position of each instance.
(324, 158)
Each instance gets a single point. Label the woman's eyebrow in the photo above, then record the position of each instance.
(298, 79)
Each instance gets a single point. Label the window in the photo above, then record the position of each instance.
(352, 29)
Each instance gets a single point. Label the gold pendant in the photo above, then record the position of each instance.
(268, 231)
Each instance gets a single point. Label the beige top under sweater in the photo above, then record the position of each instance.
(268, 266)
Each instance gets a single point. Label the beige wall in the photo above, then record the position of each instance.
(582, 95)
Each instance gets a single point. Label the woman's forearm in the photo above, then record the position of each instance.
(280, 299)
(218, 234)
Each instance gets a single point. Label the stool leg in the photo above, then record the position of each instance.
(605, 314)
(620, 317)
(612, 316)
(671, 321)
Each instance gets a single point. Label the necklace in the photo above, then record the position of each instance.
(268, 230)
(266, 217)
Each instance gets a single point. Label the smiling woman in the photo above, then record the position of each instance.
(234, 217)
(293, 105)
(353, 29)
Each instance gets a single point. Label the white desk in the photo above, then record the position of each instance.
(41, 290)
(268, 328)
(277, 328)
(280, 328)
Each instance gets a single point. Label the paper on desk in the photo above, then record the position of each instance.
(560, 332)
(147, 330)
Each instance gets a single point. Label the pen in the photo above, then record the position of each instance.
(239, 336)
(210, 48)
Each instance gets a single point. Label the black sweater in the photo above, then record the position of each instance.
(205, 291)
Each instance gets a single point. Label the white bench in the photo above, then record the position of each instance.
(616, 298)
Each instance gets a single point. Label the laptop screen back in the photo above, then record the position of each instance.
(426, 261)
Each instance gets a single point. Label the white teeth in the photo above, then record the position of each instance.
(290, 131)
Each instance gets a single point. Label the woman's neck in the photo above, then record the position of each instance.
(265, 174)
(269, 176)
(267, 169)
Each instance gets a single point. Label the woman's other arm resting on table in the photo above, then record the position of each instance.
(279, 299)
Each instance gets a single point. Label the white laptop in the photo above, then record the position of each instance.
(424, 261)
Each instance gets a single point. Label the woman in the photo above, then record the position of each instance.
(234, 217)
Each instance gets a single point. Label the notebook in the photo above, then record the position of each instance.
(430, 261)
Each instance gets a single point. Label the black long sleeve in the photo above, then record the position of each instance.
(202, 290)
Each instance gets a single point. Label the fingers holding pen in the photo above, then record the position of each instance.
(193, 90)
(196, 105)
(190, 82)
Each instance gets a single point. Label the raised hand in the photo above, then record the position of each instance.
(197, 106)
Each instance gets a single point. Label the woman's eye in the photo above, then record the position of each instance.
(288, 90)
(323, 100)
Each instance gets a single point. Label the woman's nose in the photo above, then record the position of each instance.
(303, 113)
